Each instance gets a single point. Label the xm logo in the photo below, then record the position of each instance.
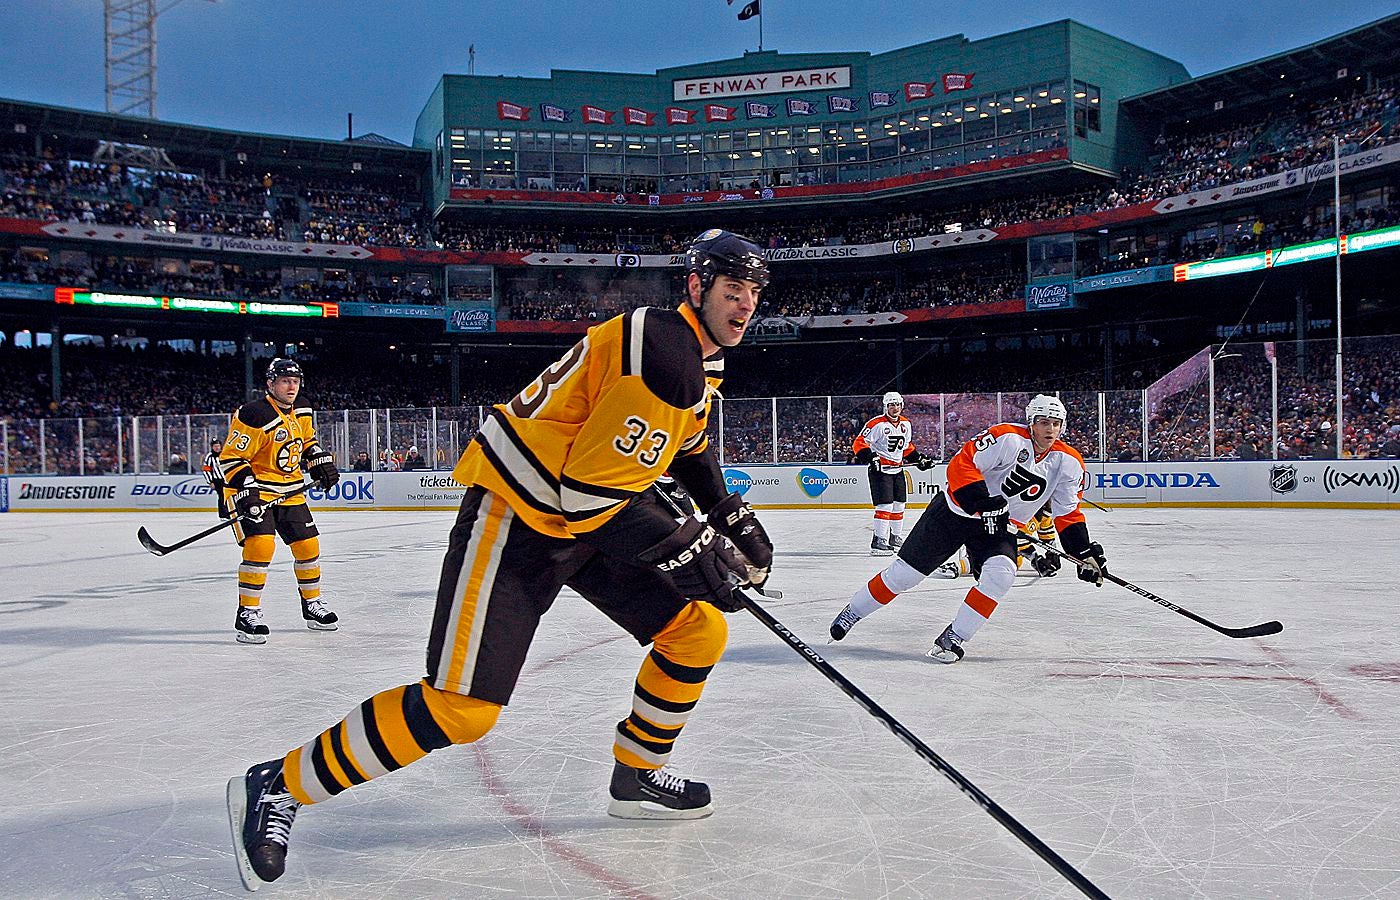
(1388, 479)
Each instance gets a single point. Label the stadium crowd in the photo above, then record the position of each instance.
(102, 385)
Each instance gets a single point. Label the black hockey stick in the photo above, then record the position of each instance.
(159, 549)
(1260, 630)
(974, 793)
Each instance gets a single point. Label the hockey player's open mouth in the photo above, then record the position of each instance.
(738, 324)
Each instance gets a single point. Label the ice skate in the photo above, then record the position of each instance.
(880, 547)
(248, 626)
(947, 648)
(318, 615)
(947, 570)
(260, 812)
(656, 794)
(845, 620)
(896, 541)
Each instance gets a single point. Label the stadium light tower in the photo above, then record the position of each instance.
(130, 27)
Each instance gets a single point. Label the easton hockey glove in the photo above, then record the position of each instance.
(734, 519)
(321, 468)
(923, 461)
(700, 563)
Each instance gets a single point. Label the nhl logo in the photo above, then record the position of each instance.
(1283, 479)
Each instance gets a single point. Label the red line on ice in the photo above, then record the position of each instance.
(528, 821)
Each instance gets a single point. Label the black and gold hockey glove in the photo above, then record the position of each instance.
(734, 519)
(321, 468)
(700, 563)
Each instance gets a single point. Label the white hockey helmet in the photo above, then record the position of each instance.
(891, 398)
(1045, 405)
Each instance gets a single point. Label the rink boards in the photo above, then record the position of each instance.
(1371, 484)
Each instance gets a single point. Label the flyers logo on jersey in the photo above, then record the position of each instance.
(1022, 482)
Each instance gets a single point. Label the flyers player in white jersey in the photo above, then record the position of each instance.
(885, 444)
(1005, 474)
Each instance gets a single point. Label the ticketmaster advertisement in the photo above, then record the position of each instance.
(1293, 483)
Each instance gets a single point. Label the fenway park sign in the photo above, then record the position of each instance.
(756, 83)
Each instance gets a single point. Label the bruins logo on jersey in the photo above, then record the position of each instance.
(289, 455)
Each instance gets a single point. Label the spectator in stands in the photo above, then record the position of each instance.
(362, 462)
(414, 460)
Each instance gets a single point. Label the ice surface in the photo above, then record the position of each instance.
(1161, 759)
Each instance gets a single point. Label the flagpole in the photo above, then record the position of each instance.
(760, 28)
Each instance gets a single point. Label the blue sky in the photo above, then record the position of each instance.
(298, 66)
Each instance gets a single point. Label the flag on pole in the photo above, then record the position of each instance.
(748, 12)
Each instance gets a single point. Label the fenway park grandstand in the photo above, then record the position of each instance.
(965, 221)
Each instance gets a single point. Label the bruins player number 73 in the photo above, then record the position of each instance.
(559, 493)
(269, 442)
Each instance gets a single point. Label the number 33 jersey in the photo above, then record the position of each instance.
(1004, 457)
(600, 425)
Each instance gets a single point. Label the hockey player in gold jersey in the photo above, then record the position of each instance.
(560, 492)
(269, 442)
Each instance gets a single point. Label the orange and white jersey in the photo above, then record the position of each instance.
(889, 441)
(1004, 457)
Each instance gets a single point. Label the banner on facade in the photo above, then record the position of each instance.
(179, 240)
(1268, 184)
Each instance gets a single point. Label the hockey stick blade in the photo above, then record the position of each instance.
(159, 549)
(1260, 630)
(150, 543)
(1263, 629)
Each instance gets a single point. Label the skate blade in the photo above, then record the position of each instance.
(237, 797)
(882, 553)
(322, 626)
(645, 809)
(944, 656)
(245, 638)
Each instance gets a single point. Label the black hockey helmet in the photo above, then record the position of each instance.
(281, 367)
(719, 252)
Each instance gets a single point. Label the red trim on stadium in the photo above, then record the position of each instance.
(778, 193)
